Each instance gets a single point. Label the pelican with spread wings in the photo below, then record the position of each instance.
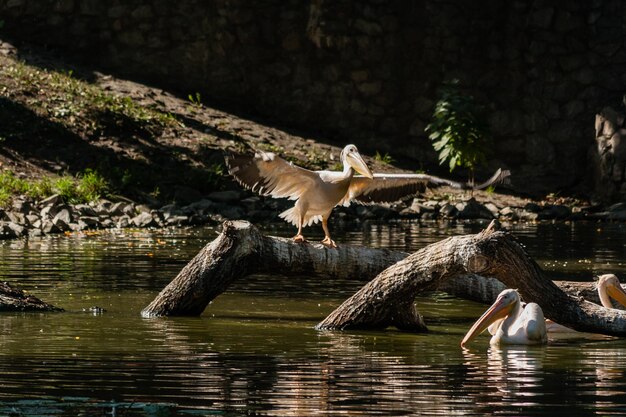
(318, 192)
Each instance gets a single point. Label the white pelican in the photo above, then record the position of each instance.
(318, 192)
(609, 287)
(516, 325)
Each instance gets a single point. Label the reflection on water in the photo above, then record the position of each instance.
(254, 350)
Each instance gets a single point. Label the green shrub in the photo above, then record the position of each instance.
(91, 186)
(457, 131)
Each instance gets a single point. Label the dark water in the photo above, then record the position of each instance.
(254, 351)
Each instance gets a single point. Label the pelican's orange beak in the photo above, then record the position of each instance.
(499, 310)
(617, 293)
(356, 161)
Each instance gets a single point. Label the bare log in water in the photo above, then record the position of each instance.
(489, 253)
(14, 299)
(387, 300)
(241, 250)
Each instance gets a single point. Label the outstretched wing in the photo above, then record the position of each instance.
(268, 174)
(387, 188)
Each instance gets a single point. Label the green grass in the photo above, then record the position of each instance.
(73, 102)
(85, 187)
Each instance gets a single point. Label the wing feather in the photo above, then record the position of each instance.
(387, 188)
(268, 174)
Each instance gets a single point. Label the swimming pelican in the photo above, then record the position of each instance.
(610, 288)
(318, 192)
(517, 325)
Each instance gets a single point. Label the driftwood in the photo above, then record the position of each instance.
(242, 250)
(13, 299)
(452, 265)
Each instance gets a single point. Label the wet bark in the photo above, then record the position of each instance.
(456, 265)
(241, 250)
(14, 299)
(489, 253)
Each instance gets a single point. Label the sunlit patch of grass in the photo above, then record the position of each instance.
(73, 102)
(87, 186)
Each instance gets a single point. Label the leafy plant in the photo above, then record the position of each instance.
(385, 159)
(91, 186)
(195, 99)
(457, 131)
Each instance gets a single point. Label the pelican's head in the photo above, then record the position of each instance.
(608, 285)
(501, 308)
(350, 156)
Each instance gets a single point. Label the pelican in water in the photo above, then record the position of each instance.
(318, 192)
(610, 288)
(511, 323)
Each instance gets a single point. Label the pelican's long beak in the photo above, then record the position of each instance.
(617, 293)
(356, 161)
(497, 311)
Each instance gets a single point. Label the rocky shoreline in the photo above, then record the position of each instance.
(27, 218)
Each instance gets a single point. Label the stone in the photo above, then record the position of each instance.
(532, 207)
(17, 229)
(6, 232)
(64, 216)
(90, 7)
(22, 206)
(48, 227)
(35, 233)
(228, 197)
(143, 12)
(542, 18)
(123, 222)
(117, 209)
(420, 208)
(369, 88)
(232, 212)
(556, 211)
(448, 211)
(510, 213)
(61, 225)
(493, 209)
(186, 195)
(85, 210)
(52, 200)
(291, 42)
(50, 211)
(89, 223)
(31, 218)
(178, 220)
(203, 205)
(472, 209)
(143, 219)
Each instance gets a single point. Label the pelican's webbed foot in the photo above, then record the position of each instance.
(299, 239)
(328, 242)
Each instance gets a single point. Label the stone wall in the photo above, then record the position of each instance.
(609, 156)
(368, 71)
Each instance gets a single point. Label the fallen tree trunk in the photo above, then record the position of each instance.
(14, 299)
(489, 253)
(241, 250)
(485, 290)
